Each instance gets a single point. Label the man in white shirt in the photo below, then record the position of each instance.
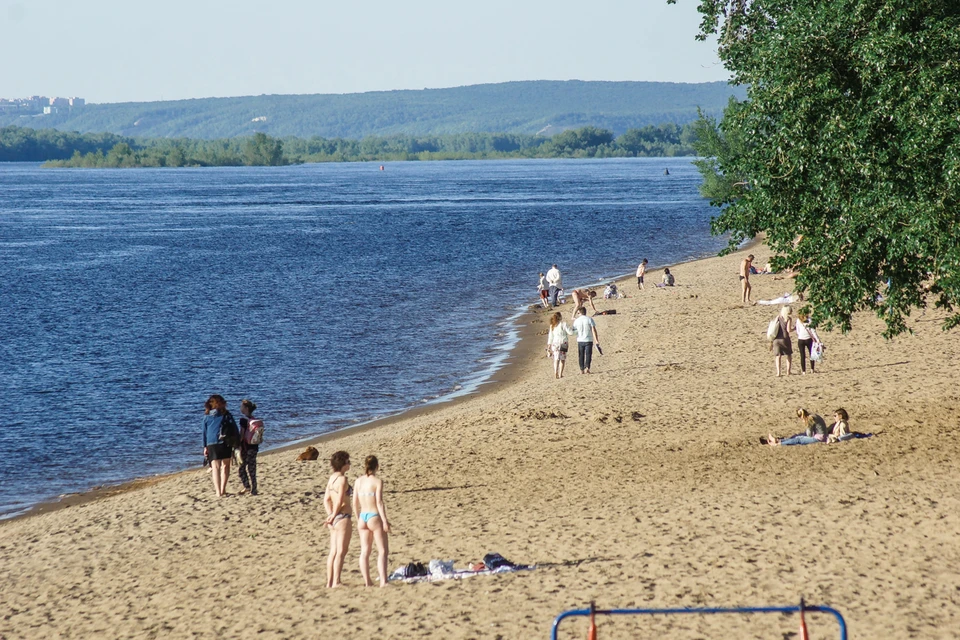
(586, 330)
(554, 281)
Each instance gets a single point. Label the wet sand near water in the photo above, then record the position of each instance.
(641, 485)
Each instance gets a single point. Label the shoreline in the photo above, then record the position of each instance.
(523, 349)
(521, 353)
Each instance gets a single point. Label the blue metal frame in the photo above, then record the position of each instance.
(630, 612)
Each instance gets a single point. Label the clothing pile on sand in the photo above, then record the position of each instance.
(444, 570)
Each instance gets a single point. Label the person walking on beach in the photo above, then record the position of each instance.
(581, 297)
(806, 337)
(336, 502)
(251, 435)
(544, 291)
(782, 345)
(641, 271)
(558, 343)
(745, 278)
(220, 435)
(372, 522)
(587, 336)
(554, 284)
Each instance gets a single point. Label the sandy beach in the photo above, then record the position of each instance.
(641, 485)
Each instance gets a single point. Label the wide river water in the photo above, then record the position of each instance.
(330, 294)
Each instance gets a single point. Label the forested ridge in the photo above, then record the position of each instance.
(511, 107)
(70, 149)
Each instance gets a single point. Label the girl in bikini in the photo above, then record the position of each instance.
(336, 502)
(372, 523)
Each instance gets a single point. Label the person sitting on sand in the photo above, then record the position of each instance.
(336, 502)
(581, 297)
(668, 280)
(815, 431)
(372, 522)
(611, 292)
(558, 343)
(840, 429)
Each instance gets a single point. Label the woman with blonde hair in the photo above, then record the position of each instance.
(815, 430)
(372, 522)
(336, 502)
(782, 345)
(558, 343)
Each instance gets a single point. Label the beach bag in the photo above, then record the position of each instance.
(816, 351)
(229, 432)
(255, 431)
(772, 329)
(495, 561)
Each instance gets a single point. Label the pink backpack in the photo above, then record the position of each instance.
(254, 434)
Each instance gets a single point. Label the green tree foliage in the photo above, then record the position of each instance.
(846, 153)
(92, 150)
(263, 151)
(18, 144)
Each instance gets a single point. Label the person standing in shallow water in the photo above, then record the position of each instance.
(555, 283)
(372, 522)
(217, 452)
(336, 502)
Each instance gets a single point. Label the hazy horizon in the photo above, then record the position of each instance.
(107, 51)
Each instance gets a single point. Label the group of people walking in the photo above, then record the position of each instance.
(365, 500)
(225, 440)
(808, 341)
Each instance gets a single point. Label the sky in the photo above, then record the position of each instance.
(132, 50)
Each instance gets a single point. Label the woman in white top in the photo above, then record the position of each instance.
(806, 336)
(558, 343)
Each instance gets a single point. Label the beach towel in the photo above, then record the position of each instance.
(446, 571)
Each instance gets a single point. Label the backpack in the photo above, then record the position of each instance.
(255, 431)
(229, 432)
(772, 329)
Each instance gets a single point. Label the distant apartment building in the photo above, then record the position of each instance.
(35, 105)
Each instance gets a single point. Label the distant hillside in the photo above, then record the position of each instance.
(511, 107)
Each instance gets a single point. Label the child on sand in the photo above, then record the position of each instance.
(641, 270)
